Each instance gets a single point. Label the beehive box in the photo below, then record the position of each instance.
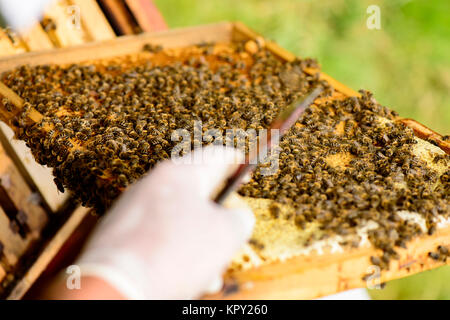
(301, 277)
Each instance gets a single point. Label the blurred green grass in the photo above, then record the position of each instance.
(406, 64)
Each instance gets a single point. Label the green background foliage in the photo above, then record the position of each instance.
(405, 64)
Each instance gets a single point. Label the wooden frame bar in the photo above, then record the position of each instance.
(48, 253)
(147, 15)
(119, 16)
(93, 20)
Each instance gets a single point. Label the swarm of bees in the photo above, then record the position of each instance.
(441, 254)
(112, 122)
(379, 177)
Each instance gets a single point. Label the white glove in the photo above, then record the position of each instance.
(22, 14)
(165, 238)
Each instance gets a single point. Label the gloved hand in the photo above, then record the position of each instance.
(22, 14)
(165, 238)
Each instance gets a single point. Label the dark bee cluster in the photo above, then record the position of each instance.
(342, 167)
(106, 124)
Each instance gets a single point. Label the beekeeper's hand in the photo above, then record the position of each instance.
(165, 238)
(22, 14)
